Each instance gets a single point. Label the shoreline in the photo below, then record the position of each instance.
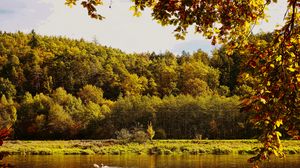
(155, 147)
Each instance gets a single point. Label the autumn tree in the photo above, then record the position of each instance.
(34, 42)
(164, 68)
(134, 85)
(8, 111)
(150, 131)
(91, 93)
(7, 88)
(229, 67)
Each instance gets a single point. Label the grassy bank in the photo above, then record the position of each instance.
(157, 147)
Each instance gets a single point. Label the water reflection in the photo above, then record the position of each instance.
(134, 161)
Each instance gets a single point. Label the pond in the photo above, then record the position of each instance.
(141, 161)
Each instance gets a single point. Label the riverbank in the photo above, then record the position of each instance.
(156, 147)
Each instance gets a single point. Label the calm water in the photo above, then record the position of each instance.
(204, 161)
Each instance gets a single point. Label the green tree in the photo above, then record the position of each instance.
(134, 85)
(7, 88)
(61, 124)
(133, 110)
(194, 70)
(229, 66)
(200, 55)
(8, 111)
(91, 93)
(32, 117)
(34, 42)
(164, 69)
(195, 87)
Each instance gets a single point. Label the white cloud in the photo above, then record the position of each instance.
(22, 15)
(276, 13)
(120, 29)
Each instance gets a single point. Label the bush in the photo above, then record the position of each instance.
(221, 151)
(160, 134)
(139, 136)
(124, 135)
(155, 151)
(136, 135)
(167, 152)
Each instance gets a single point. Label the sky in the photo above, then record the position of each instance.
(119, 30)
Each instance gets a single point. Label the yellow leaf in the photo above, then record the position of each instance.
(246, 76)
(217, 30)
(298, 77)
(278, 134)
(292, 54)
(275, 153)
(263, 100)
(136, 11)
(278, 58)
(278, 122)
(291, 69)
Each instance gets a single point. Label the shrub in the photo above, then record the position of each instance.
(155, 151)
(150, 131)
(223, 151)
(160, 134)
(139, 136)
(124, 135)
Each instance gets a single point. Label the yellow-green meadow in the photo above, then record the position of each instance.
(155, 147)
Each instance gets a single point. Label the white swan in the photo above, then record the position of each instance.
(102, 166)
(96, 166)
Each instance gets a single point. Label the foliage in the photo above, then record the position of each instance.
(91, 93)
(123, 135)
(157, 147)
(8, 111)
(59, 115)
(7, 88)
(150, 131)
(139, 136)
(73, 89)
(8, 116)
(276, 99)
(96, 73)
(135, 135)
(160, 134)
(217, 20)
(4, 133)
(90, 5)
(65, 89)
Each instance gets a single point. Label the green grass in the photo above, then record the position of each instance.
(156, 147)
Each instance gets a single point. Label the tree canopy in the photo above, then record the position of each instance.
(67, 89)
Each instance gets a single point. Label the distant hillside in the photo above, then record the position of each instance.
(58, 88)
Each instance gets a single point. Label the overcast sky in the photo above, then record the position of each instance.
(119, 30)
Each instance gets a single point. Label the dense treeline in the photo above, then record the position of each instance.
(58, 88)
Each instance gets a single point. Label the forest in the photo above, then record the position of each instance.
(60, 88)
